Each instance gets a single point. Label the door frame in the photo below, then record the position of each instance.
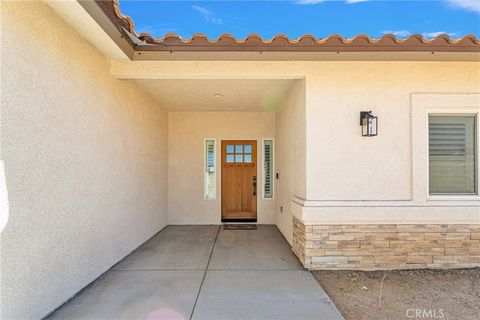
(222, 186)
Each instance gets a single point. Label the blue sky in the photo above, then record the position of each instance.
(297, 17)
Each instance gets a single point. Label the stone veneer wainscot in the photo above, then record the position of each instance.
(386, 246)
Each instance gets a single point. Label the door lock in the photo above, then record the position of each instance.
(254, 185)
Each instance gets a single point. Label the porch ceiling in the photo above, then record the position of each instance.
(217, 94)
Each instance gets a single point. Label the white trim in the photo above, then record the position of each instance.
(214, 166)
(375, 214)
(454, 197)
(423, 104)
(272, 169)
(463, 111)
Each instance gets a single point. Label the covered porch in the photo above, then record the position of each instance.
(104, 150)
(234, 146)
(205, 272)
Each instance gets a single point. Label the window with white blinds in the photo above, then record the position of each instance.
(452, 154)
(209, 178)
(268, 169)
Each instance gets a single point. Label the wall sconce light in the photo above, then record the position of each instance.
(369, 124)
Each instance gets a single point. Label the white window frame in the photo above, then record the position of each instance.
(273, 169)
(455, 112)
(423, 104)
(205, 166)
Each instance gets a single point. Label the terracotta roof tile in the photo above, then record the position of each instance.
(280, 42)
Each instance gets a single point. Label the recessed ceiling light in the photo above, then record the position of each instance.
(217, 95)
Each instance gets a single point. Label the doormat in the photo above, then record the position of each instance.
(239, 227)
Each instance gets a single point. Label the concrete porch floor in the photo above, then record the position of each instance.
(205, 272)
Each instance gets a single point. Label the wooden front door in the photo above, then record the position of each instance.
(239, 180)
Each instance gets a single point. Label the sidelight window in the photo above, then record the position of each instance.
(209, 171)
(268, 169)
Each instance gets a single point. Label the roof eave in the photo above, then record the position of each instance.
(121, 28)
(106, 17)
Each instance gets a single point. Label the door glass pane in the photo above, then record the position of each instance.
(451, 154)
(238, 158)
(238, 148)
(230, 148)
(230, 158)
(248, 158)
(248, 148)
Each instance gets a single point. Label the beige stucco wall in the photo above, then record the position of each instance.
(290, 156)
(354, 179)
(85, 162)
(334, 140)
(86, 155)
(187, 131)
(349, 178)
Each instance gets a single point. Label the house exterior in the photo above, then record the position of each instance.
(109, 136)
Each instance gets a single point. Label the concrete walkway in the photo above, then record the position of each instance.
(205, 272)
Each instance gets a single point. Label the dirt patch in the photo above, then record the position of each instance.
(437, 294)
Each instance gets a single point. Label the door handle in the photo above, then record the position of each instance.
(254, 185)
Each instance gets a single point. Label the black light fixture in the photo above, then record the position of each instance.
(369, 124)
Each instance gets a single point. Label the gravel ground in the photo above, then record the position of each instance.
(404, 294)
